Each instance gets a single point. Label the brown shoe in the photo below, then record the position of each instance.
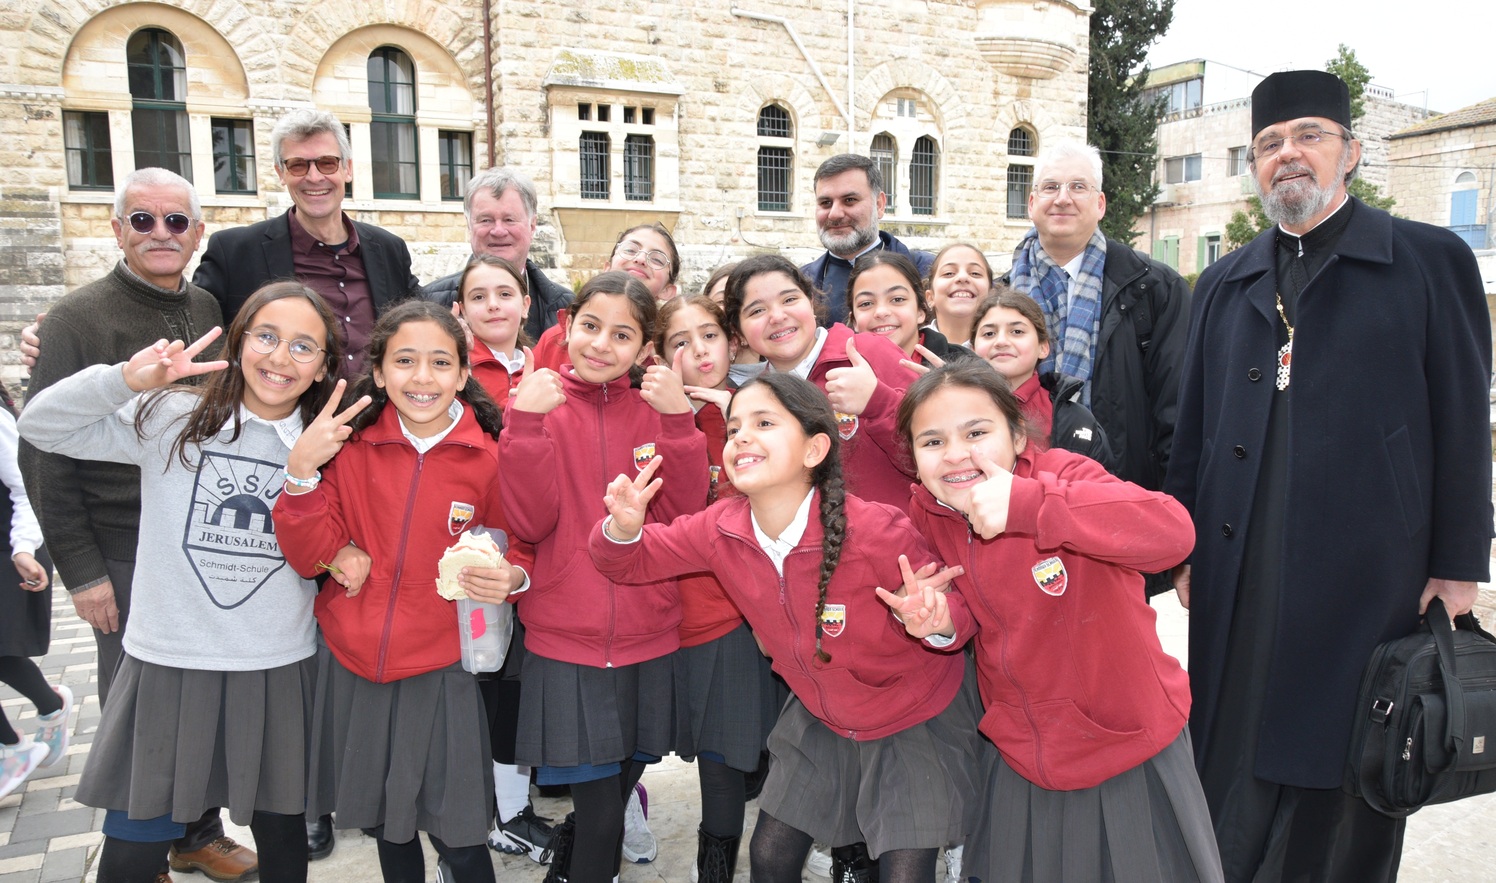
(223, 860)
(163, 878)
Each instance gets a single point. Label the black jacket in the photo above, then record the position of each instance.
(238, 260)
(941, 346)
(546, 298)
(1074, 428)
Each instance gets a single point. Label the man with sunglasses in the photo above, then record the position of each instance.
(90, 511)
(358, 268)
(1333, 447)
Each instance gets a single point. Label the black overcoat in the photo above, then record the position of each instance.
(1389, 467)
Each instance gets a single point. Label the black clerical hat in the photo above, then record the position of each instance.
(1289, 95)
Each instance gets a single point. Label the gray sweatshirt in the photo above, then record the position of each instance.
(211, 590)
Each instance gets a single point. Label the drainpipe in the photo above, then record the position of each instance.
(488, 101)
(851, 75)
(814, 68)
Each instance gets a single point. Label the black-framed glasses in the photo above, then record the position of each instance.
(654, 257)
(1306, 139)
(144, 222)
(265, 342)
(298, 167)
(1051, 189)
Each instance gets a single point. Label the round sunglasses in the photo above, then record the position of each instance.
(144, 222)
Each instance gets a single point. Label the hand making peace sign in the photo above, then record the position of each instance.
(920, 603)
(628, 501)
(165, 362)
(324, 438)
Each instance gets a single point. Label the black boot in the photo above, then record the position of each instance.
(852, 864)
(716, 857)
(319, 840)
(559, 854)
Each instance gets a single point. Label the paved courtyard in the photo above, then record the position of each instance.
(45, 836)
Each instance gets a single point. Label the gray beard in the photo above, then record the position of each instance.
(852, 243)
(1296, 203)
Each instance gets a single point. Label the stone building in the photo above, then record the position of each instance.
(1202, 170)
(1443, 172)
(708, 117)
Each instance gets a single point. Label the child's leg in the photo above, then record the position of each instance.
(401, 862)
(22, 674)
(722, 790)
(907, 866)
(469, 864)
(135, 849)
(280, 841)
(599, 833)
(8, 734)
(777, 851)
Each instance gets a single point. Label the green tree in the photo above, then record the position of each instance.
(1120, 121)
(1347, 67)
(1245, 225)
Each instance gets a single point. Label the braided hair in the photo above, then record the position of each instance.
(810, 407)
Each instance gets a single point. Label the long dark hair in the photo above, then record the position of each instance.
(1008, 299)
(906, 268)
(488, 414)
(812, 410)
(642, 307)
(759, 265)
(222, 393)
(517, 272)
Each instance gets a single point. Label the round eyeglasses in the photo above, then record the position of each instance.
(655, 258)
(144, 222)
(265, 342)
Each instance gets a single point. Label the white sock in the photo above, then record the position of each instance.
(511, 789)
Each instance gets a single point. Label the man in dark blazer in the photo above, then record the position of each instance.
(1333, 446)
(358, 268)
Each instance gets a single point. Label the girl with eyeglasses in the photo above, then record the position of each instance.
(222, 639)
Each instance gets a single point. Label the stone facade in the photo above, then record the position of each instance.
(960, 73)
(1434, 161)
(1186, 226)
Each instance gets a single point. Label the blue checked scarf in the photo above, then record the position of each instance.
(1074, 321)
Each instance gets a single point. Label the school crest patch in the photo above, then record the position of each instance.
(846, 425)
(834, 620)
(1050, 575)
(229, 537)
(714, 474)
(459, 517)
(643, 454)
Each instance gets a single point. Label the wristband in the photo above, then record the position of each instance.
(305, 483)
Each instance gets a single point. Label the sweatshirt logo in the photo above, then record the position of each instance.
(846, 425)
(229, 538)
(1050, 575)
(714, 474)
(834, 620)
(643, 454)
(459, 517)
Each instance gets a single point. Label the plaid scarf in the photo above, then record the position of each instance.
(1074, 317)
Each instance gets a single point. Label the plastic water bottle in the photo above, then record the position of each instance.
(485, 629)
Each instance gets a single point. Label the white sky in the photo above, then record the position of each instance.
(1446, 47)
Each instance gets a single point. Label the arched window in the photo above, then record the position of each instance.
(775, 158)
(392, 128)
(885, 153)
(1463, 214)
(924, 169)
(1022, 145)
(158, 86)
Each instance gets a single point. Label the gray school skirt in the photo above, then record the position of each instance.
(178, 741)
(571, 715)
(903, 791)
(411, 755)
(727, 699)
(1147, 824)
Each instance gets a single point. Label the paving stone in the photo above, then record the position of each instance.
(53, 824)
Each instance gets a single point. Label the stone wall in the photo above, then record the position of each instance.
(971, 70)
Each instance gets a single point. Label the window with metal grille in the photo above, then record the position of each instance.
(85, 138)
(157, 73)
(774, 179)
(455, 151)
(638, 168)
(924, 161)
(1020, 180)
(1020, 142)
(594, 147)
(886, 155)
(394, 164)
(774, 122)
(233, 156)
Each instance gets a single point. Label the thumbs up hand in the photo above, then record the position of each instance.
(987, 510)
(539, 390)
(850, 388)
(663, 388)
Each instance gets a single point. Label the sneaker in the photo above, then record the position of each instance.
(444, 872)
(52, 729)
(819, 860)
(526, 834)
(18, 762)
(639, 844)
(953, 864)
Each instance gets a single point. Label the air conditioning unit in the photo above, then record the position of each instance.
(1165, 195)
(1246, 185)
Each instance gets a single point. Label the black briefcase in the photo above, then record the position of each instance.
(1425, 728)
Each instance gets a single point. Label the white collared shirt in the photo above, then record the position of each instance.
(513, 362)
(422, 445)
(802, 370)
(789, 538)
(288, 427)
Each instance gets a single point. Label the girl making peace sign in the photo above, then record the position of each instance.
(218, 667)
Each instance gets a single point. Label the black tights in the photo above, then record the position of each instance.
(280, 841)
(777, 853)
(599, 807)
(722, 796)
(23, 675)
(404, 862)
